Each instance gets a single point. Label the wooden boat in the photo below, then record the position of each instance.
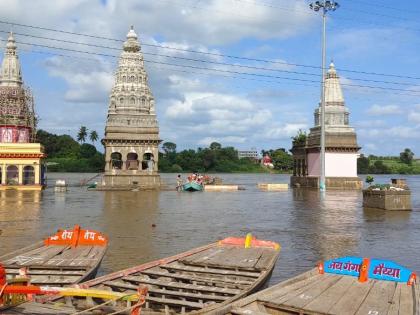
(345, 286)
(201, 280)
(65, 258)
(192, 186)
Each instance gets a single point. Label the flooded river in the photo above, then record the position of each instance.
(309, 227)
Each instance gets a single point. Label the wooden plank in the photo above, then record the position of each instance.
(408, 300)
(189, 277)
(394, 308)
(201, 255)
(350, 302)
(266, 259)
(47, 272)
(190, 295)
(165, 301)
(247, 311)
(177, 266)
(311, 292)
(185, 286)
(329, 297)
(281, 290)
(377, 300)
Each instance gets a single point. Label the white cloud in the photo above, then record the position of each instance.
(414, 116)
(286, 131)
(378, 110)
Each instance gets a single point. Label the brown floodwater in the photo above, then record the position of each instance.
(309, 227)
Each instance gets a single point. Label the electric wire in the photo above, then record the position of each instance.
(214, 54)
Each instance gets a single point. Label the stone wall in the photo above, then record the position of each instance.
(330, 182)
(387, 199)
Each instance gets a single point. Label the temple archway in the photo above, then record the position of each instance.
(132, 161)
(28, 175)
(116, 161)
(148, 161)
(12, 175)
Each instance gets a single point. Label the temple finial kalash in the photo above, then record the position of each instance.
(21, 157)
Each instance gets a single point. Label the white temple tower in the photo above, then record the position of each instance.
(132, 132)
(340, 144)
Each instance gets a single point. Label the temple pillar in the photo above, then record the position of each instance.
(37, 173)
(20, 174)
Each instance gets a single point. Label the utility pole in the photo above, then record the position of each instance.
(323, 6)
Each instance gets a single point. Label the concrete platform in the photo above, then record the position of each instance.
(221, 187)
(273, 186)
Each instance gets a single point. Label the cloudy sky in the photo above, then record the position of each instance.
(241, 72)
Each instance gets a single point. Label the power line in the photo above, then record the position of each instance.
(220, 70)
(209, 61)
(212, 54)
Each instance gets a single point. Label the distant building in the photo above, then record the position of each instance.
(341, 148)
(250, 154)
(20, 157)
(132, 132)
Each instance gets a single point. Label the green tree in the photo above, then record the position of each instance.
(93, 136)
(281, 160)
(215, 146)
(87, 151)
(362, 164)
(379, 168)
(300, 138)
(82, 134)
(407, 156)
(169, 147)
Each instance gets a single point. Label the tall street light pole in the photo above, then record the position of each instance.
(323, 6)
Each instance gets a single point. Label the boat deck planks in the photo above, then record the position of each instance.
(197, 281)
(315, 294)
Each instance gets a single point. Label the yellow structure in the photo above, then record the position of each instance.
(20, 157)
(20, 166)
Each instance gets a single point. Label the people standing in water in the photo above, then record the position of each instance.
(179, 182)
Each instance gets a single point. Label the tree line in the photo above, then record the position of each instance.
(64, 154)
(404, 164)
(216, 158)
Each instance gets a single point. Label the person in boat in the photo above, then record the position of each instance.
(179, 182)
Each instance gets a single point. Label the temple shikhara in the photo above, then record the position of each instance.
(132, 132)
(340, 144)
(20, 156)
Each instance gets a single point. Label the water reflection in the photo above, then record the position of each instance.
(19, 216)
(327, 221)
(129, 219)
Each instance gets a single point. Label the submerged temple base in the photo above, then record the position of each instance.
(387, 199)
(330, 182)
(129, 182)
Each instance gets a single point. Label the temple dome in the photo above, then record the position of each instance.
(131, 44)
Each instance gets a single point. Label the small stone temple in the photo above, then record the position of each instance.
(341, 148)
(21, 157)
(132, 132)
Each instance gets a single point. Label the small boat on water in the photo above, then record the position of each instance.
(345, 286)
(192, 186)
(65, 258)
(198, 281)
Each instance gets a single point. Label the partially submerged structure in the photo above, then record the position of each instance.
(132, 132)
(341, 148)
(20, 157)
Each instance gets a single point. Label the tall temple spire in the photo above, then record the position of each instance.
(11, 74)
(132, 132)
(333, 92)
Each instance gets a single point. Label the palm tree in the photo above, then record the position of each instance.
(93, 136)
(82, 134)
